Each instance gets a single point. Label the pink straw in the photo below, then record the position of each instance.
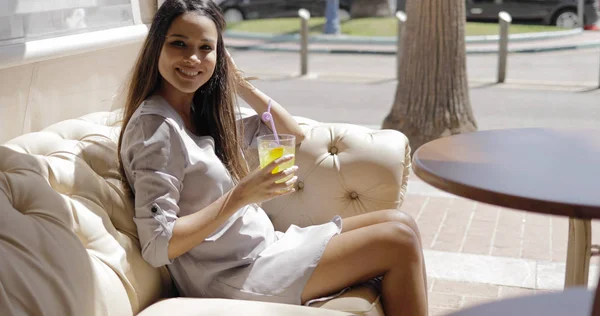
(267, 117)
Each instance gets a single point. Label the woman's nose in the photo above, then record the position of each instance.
(194, 59)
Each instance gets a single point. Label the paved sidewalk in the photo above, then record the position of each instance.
(455, 224)
(448, 296)
(477, 253)
(586, 39)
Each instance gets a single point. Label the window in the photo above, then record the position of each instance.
(24, 20)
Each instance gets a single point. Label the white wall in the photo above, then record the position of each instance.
(36, 95)
(51, 80)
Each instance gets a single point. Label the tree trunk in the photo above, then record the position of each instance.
(432, 96)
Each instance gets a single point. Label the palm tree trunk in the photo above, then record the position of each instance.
(432, 96)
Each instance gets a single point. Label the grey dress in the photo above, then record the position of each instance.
(175, 173)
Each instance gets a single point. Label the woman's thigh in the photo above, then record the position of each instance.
(360, 255)
(376, 217)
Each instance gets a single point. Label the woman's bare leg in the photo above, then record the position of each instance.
(371, 218)
(388, 249)
(391, 215)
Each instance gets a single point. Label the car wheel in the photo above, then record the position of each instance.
(567, 19)
(233, 15)
(344, 14)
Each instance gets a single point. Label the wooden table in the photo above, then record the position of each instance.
(550, 171)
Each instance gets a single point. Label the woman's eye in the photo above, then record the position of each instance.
(178, 44)
(206, 47)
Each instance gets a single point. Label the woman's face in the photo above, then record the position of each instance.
(189, 55)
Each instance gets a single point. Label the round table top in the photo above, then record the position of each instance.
(551, 171)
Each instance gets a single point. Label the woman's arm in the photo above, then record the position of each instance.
(190, 230)
(260, 185)
(259, 101)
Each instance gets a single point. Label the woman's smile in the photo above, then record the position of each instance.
(187, 73)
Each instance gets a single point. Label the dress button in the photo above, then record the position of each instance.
(300, 185)
(354, 195)
(154, 209)
(333, 150)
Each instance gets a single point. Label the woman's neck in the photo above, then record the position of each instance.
(179, 101)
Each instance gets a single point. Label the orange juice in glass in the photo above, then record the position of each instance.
(269, 149)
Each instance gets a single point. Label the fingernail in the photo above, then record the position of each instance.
(291, 170)
(288, 156)
(292, 180)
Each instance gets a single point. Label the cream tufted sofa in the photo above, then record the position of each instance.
(68, 244)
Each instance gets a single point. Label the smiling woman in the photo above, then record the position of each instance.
(197, 204)
(188, 59)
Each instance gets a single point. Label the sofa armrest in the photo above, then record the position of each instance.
(344, 170)
(201, 306)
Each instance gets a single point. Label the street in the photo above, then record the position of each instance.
(580, 67)
(542, 90)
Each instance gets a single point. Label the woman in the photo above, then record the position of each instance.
(196, 203)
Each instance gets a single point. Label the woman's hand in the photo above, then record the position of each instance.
(230, 59)
(241, 82)
(260, 185)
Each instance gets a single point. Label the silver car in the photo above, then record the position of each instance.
(562, 13)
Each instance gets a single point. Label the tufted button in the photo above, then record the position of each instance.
(154, 208)
(354, 195)
(300, 185)
(333, 150)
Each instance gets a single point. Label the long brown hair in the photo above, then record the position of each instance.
(213, 104)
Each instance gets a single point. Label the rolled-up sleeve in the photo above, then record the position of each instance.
(253, 127)
(154, 162)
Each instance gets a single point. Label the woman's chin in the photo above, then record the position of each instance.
(188, 87)
(188, 90)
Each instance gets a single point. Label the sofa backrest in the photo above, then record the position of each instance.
(57, 182)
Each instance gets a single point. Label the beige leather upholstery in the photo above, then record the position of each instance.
(220, 307)
(68, 244)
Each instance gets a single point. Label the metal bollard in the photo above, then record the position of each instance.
(505, 20)
(332, 17)
(304, 17)
(580, 12)
(401, 19)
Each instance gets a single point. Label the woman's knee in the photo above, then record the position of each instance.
(403, 218)
(400, 241)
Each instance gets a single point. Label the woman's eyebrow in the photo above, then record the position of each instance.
(178, 35)
(186, 37)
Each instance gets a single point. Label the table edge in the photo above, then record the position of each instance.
(503, 199)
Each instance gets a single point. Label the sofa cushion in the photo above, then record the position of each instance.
(344, 170)
(43, 264)
(218, 307)
(363, 300)
(64, 180)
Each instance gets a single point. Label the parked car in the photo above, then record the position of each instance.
(238, 10)
(562, 13)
